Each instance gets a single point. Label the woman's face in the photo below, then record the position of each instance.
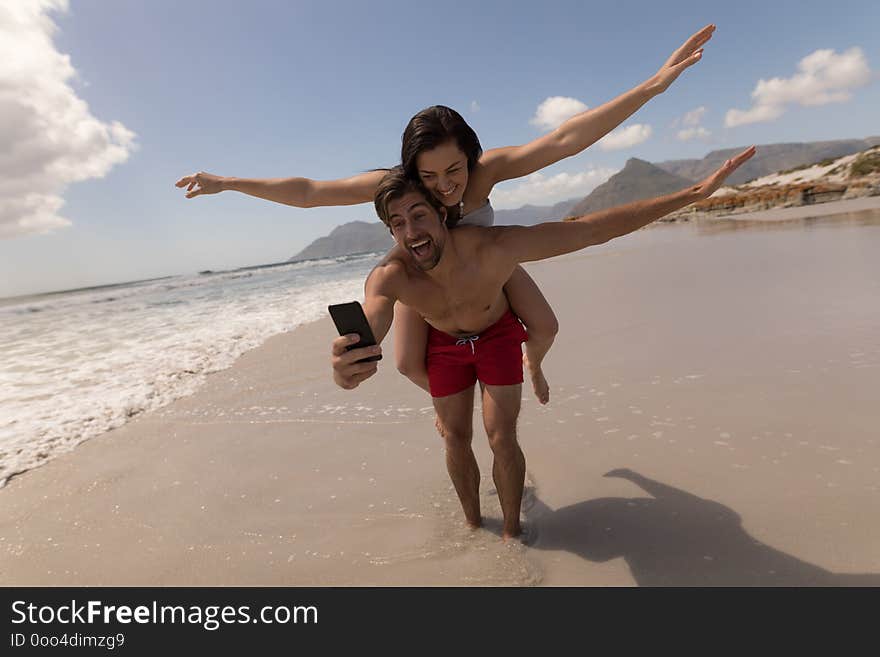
(444, 172)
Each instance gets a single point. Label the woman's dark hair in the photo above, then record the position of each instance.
(432, 127)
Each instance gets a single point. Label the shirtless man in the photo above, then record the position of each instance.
(454, 279)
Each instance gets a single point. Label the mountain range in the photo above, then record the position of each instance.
(637, 180)
(347, 239)
(769, 158)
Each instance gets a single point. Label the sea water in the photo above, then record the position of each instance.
(77, 363)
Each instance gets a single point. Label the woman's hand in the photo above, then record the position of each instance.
(687, 55)
(204, 183)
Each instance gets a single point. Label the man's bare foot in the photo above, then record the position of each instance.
(511, 534)
(474, 524)
(539, 382)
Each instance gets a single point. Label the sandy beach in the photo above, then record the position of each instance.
(713, 421)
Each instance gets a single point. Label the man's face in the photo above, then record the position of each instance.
(416, 226)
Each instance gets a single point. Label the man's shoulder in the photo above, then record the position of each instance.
(389, 273)
(477, 237)
(392, 263)
(488, 244)
(468, 233)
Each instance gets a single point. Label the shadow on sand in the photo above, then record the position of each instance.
(673, 538)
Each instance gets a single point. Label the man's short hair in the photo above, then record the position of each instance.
(395, 185)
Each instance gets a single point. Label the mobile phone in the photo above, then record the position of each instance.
(350, 318)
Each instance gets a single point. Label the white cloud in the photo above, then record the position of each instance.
(691, 125)
(823, 77)
(693, 133)
(538, 189)
(694, 117)
(48, 137)
(554, 111)
(475, 107)
(625, 137)
(758, 114)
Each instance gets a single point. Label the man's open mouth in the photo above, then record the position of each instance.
(420, 248)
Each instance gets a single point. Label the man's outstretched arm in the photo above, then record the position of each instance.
(379, 298)
(524, 244)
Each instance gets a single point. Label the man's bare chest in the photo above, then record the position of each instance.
(462, 303)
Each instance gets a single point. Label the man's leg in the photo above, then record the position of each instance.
(456, 415)
(500, 411)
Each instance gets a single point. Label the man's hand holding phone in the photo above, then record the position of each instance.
(347, 372)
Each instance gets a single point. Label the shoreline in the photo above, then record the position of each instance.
(139, 349)
(197, 383)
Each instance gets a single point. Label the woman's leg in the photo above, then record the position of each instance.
(532, 308)
(411, 345)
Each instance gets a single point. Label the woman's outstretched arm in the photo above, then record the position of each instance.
(299, 192)
(586, 128)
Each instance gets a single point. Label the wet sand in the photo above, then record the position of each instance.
(713, 422)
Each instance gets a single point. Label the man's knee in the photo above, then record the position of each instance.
(502, 439)
(457, 438)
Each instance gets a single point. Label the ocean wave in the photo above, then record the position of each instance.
(67, 381)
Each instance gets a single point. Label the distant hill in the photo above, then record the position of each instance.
(353, 237)
(529, 215)
(769, 158)
(636, 181)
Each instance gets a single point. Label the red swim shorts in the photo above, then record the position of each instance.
(493, 357)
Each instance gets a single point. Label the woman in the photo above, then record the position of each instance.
(444, 152)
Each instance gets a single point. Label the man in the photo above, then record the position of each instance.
(454, 279)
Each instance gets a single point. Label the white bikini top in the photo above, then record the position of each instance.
(482, 216)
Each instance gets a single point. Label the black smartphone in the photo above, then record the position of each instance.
(350, 318)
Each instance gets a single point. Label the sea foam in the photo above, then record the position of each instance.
(80, 363)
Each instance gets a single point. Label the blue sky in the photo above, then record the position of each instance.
(324, 89)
